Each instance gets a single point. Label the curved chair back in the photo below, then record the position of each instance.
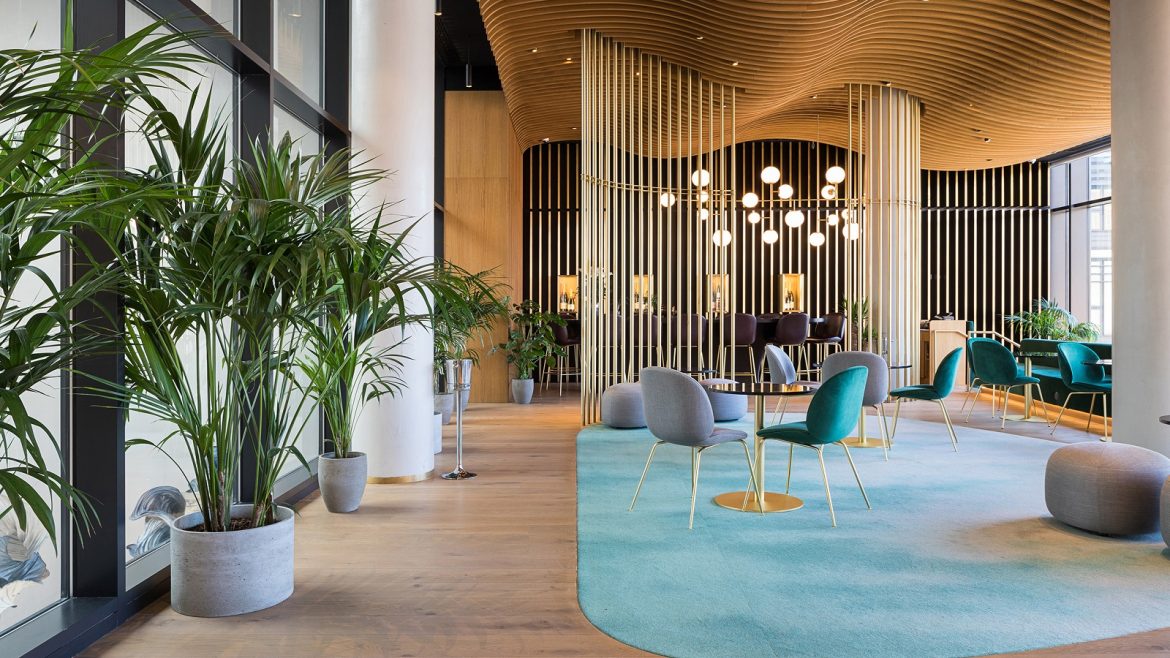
(994, 363)
(694, 327)
(739, 329)
(835, 325)
(676, 406)
(944, 376)
(791, 329)
(646, 329)
(877, 385)
(780, 368)
(836, 405)
(561, 334)
(1072, 358)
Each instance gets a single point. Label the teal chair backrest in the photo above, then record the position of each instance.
(836, 405)
(944, 377)
(994, 363)
(1072, 357)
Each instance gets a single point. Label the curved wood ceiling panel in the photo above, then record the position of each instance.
(1002, 80)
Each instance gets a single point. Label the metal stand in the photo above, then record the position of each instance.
(455, 378)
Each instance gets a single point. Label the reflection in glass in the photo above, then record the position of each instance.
(296, 44)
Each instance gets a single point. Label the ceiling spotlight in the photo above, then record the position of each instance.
(770, 236)
(754, 217)
(666, 199)
(699, 38)
(568, 60)
(438, 8)
(794, 218)
(751, 200)
(986, 139)
(721, 238)
(835, 175)
(467, 75)
(735, 63)
(534, 50)
(816, 238)
(852, 231)
(886, 83)
(785, 191)
(829, 192)
(832, 219)
(700, 178)
(704, 214)
(770, 175)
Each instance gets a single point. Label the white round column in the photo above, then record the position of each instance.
(392, 121)
(1141, 222)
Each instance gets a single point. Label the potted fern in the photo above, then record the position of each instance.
(530, 343)
(1049, 320)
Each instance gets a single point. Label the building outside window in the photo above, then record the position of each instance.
(1082, 238)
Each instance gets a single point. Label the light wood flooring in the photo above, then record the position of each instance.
(485, 567)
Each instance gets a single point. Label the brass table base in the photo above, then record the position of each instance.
(1020, 418)
(864, 442)
(773, 502)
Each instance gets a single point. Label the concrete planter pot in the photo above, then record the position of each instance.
(522, 391)
(218, 574)
(342, 481)
(445, 406)
(438, 432)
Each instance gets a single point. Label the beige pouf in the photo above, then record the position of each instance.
(1106, 488)
(621, 406)
(725, 406)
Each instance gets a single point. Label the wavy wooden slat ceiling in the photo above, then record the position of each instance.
(1002, 81)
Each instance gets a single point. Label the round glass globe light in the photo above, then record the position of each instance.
(794, 218)
(751, 200)
(852, 231)
(770, 175)
(832, 219)
(786, 191)
(721, 238)
(704, 214)
(701, 178)
(703, 196)
(835, 175)
(666, 199)
(770, 236)
(754, 217)
(829, 192)
(816, 238)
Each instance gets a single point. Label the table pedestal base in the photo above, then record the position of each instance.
(773, 502)
(864, 442)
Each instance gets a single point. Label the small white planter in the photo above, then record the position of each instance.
(217, 574)
(438, 432)
(342, 481)
(522, 391)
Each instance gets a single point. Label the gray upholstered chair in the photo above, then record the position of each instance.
(678, 411)
(877, 388)
(781, 371)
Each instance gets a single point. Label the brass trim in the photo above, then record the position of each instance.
(401, 479)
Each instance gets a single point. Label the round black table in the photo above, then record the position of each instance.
(745, 501)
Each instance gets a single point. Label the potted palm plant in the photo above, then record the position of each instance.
(1049, 320)
(472, 304)
(530, 343)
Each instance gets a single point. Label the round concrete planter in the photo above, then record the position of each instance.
(438, 432)
(217, 574)
(342, 481)
(522, 391)
(445, 405)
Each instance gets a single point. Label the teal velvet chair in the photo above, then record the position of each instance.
(996, 367)
(944, 383)
(1083, 379)
(832, 415)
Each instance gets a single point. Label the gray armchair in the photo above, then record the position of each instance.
(877, 389)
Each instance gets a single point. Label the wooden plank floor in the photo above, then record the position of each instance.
(485, 567)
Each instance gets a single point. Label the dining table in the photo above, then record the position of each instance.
(745, 501)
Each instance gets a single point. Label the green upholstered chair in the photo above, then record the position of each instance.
(1083, 379)
(832, 415)
(944, 383)
(997, 367)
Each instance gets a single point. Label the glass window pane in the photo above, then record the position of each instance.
(1101, 175)
(306, 138)
(33, 584)
(223, 11)
(296, 44)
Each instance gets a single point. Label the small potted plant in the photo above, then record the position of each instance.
(1049, 320)
(530, 343)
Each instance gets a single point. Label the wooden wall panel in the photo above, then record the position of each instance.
(482, 228)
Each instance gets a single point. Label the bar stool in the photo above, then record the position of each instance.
(828, 334)
(565, 365)
(694, 328)
(739, 332)
(792, 331)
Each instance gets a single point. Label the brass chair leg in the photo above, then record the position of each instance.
(696, 458)
(1061, 414)
(1092, 403)
(881, 409)
(951, 428)
(644, 471)
(781, 407)
(825, 476)
(856, 476)
(791, 453)
(1105, 416)
(1003, 417)
(752, 471)
(897, 412)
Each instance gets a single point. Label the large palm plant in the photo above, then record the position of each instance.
(1048, 319)
(49, 186)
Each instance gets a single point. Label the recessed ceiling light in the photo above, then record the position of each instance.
(574, 127)
(534, 50)
(544, 140)
(986, 139)
(700, 38)
(637, 73)
(735, 63)
(814, 96)
(568, 60)
(886, 83)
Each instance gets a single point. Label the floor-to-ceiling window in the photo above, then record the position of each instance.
(1082, 248)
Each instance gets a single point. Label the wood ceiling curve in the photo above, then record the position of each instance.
(1002, 81)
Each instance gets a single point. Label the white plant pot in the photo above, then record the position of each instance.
(217, 574)
(522, 391)
(342, 481)
(445, 406)
(438, 432)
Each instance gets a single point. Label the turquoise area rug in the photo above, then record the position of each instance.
(958, 557)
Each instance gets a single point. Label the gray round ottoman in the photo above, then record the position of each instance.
(725, 406)
(1106, 488)
(1166, 512)
(621, 406)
